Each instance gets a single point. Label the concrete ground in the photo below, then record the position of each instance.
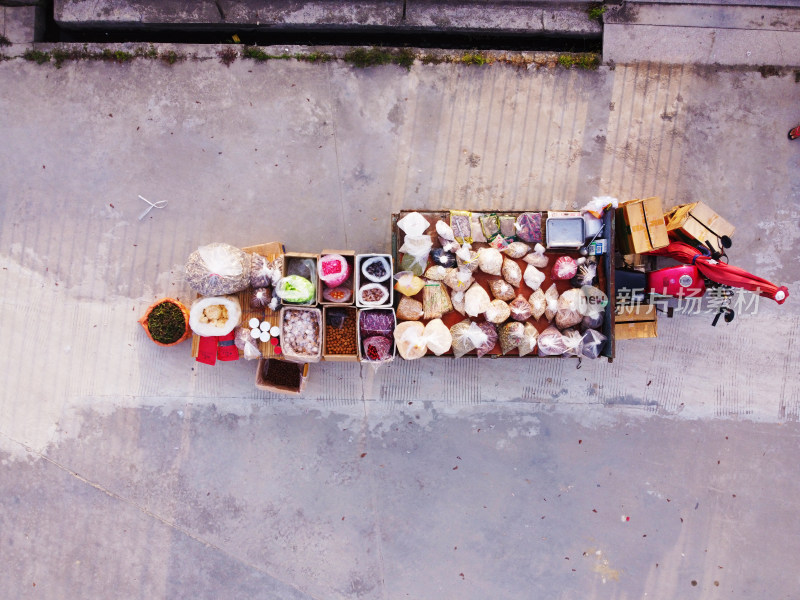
(132, 471)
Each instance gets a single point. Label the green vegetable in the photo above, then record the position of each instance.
(295, 289)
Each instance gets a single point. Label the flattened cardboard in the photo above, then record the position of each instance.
(699, 222)
(635, 321)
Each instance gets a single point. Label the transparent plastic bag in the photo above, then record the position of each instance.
(551, 302)
(295, 289)
(593, 343)
(517, 249)
(511, 272)
(564, 268)
(502, 290)
(457, 299)
(419, 248)
(490, 261)
(511, 336)
(528, 342)
(467, 336)
(498, 311)
(529, 227)
(570, 308)
(218, 269)
(377, 348)
(551, 342)
(573, 342)
(586, 275)
(533, 277)
(244, 341)
(459, 280)
(537, 258)
(435, 300)
(476, 300)
(436, 273)
(475, 229)
(437, 337)
(409, 337)
(491, 338)
(462, 229)
(467, 258)
(409, 309)
(521, 309)
(490, 225)
(407, 283)
(538, 303)
(508, 227)
(263, 272)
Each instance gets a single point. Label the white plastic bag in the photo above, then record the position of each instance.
(437, 337)
(490, 261)
(476, 300)
(537, 258)
(533, 277)
(467, 336)
(413, 224)
(551, 302)
(418, 246)
(529, 336)
(214, 315)
(409, 337)
(571, 306)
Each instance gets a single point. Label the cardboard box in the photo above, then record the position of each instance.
(287, 257)
(635, 321)
(350, 257)
(361, 280)
(271, 372)
(697, 222)
(326, 356)
(361, 357)
(298, 358)
(640, 226)
(270, 251)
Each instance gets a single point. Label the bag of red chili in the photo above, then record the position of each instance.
(377, 348)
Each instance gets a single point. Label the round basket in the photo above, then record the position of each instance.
(187, 331)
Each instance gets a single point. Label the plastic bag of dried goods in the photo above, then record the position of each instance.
(333, 269)
(593, 343)
(244, 341)
(529, 227)
(538, 303)
(537, 258)
(490, 225)
(462, 229)
(511, 335)
(444, 258)
(410, 339)
(533, 277)
(511, 272)
(419, 248)
(295, 289)
(517, 249)
(263, 272)
(407, 283)
(467, 336)
(521, 309)
(409, 309)
(551, 302)
(586, 275)
(466, 258)
(564, 268)
(377, 348)
(218, 269)
(457, 299)
(435, 300)
(498, 311)
(459, 280)
(476, 300)
(490, 261)
(573, 342)
(551, 342)
(376, 322)
(437, 337)
(502, 290)
(475, 229)
(529, 336)
(508, 227)
(570, 307)
(436, 273)
(491, 338)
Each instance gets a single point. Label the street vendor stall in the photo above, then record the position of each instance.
(458, 273)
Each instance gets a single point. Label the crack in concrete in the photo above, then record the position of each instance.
(150, 514)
